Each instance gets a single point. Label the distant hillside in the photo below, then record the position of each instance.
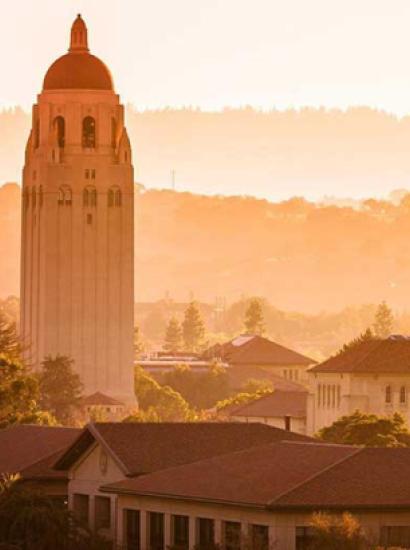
(277, 155)
(299, 255)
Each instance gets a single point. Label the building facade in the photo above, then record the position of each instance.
(77, 268)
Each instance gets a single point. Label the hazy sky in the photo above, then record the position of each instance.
(212, 53)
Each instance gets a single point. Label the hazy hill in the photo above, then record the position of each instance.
(311, 153)
(299, 255)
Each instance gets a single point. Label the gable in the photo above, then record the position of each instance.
(96, 465)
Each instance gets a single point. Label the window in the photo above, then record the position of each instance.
(88, 138)
(87, 174)
(36, 134)
(397, 536)
(338, 396)
(403, 395)
(59, 129)
(93, 174)
(328, 395)
(206, 532)
(132, 529)
(26, 198)
(114, 197)
(333, 396)
(288, 423)
(156, 531)
(90, 196)
(40, 196)
(232, 535)
(64, 196)
(319, 395)
(34, 197)
(113, 133)
(260, 537)
(81, 508)
(388, 396)
(102, 513)
(304, 538)
(89, 219)
(181, 532)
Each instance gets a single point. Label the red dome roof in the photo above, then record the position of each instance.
(78, 71)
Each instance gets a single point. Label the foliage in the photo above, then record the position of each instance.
(203, 389)
(384, 321)
(173, 336)
(60, 388)
(337, 533)
(159, 402)
(368, 430)
(9, 342)
(254, 321)
(138, 343)
(241, 399)
(366, 336)
(254, 385)
(193, 328)
(29, 520)
(19, 393)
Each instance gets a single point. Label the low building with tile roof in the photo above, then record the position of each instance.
(258, 355)
(373, 377)
(265, 496)
(111, 452)
(103, 407)
(31, 451)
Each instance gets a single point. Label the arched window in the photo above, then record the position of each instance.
(90, 196)
(403, 395)
(113, 133)
(36, 134)
(388, 396)
(111, 197)
(93, 197)
(118, 198)
(85, 197)
(59, 128)
(88, 139)
(65, 196)
(114, 197)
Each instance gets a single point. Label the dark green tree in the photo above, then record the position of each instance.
(193, 328)
(9, 341)
(366, 336)
(60, 388)
(383, 321)
(254, 321)
(173, 336)
(368, 430)
(19, 395)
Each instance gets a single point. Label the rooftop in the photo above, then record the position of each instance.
(277, 404)
(99, 398)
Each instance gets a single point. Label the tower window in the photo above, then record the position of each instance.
(113, 133)
(88, 139)
(34, 196)
(59, 129)
(36, 134)
(90, 196)
(87, 174)
(64, 196)
(403, 395)
(93, 174)
(114, 197)
(89, 219)
(40, 196)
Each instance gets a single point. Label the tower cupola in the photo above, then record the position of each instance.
(79, 36)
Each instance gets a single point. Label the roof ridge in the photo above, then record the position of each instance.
(314, 476)
(60, 449)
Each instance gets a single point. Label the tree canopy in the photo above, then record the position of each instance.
(173, 336)
(368, 430)
(254, 321)
(383, 321)
(332, 532)
(193, 328)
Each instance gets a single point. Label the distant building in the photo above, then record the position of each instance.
(100, 406)
(77, 259)
(31, 452)
(161, 364)
(253, 352)
(373, 377)
(284, 408)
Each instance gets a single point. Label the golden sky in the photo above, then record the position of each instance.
(212, 53)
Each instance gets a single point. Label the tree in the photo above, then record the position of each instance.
(366, 336)
(161, 402)
(384, 321)
(29, 520)
(9, 342)
(193, 328)
(368, 430)
(254, 323)
(173, 336)
(19, 393)
(60, 388)
(138, 343)
(336, 533)
(241, 399)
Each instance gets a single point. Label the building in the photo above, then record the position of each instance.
(284, 408)
(105, 453)
(77, 266)
(260, 357)
(372, 377)
(263, 497)
(31, 452)
(102, 407)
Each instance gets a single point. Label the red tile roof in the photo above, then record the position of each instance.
(255, 476)
(287, 475)
(391, 355)
(238, 375)
(254, 349)
(278, 403)
(100, 399)
(146, 447)
(23, 445)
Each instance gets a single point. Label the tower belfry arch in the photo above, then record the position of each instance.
(77, 264)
